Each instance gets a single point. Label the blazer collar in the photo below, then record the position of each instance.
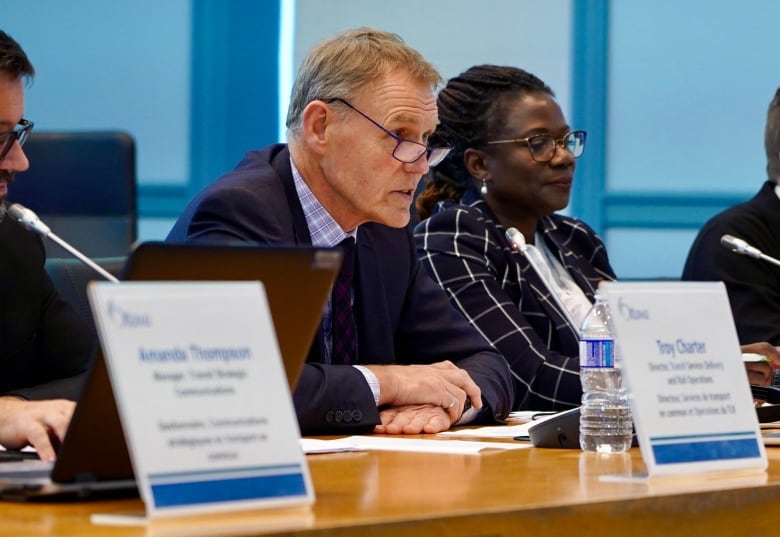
(281, 163)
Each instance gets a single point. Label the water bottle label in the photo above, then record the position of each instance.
(596, 353)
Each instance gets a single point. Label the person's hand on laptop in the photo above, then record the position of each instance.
(441, 384)
(35, 423)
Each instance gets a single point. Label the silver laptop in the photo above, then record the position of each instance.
(92, 458)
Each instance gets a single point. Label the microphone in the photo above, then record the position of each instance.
(741, 247)
(30, 220)
(3, 210)
(517, 240)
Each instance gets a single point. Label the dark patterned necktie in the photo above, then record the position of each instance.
(344, 337)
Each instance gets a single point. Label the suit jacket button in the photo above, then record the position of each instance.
(338, 416)
(357, 415)
(329, 416)
(347, 416)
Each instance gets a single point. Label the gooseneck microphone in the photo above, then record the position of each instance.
(30, 220)
(517, 240)
(740, 246)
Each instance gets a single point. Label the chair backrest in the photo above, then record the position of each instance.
(70, 277)
(83, 186)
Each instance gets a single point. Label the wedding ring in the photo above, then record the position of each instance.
(454, 400)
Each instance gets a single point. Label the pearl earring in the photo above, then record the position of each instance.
(483, 188)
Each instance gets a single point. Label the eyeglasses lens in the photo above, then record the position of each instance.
(8, 138)
(543, 147)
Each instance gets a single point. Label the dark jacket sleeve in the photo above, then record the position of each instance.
(334, 399)
(66, 344)
(45, 345)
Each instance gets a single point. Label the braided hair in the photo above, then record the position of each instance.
(470, 107)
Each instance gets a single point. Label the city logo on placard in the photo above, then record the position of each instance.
(127, 319)
(631, 313)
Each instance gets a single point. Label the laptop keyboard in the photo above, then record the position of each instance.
(12, 455)
(25, 470)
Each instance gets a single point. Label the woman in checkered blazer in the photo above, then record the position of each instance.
(512, 167)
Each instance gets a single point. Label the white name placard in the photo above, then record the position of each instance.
(202, 395)
(681, 360)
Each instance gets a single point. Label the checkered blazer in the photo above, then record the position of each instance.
(465, 250)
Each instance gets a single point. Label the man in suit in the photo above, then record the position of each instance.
(361, 112)
(45, 346)
(753, 285)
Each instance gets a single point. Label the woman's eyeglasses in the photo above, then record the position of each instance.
(544, 146)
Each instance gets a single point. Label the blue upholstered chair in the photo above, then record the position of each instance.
(70, 277)
(83, 186)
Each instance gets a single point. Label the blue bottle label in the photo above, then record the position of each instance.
(596, 353)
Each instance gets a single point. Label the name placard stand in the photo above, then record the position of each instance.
(681, 362)
(202, 395)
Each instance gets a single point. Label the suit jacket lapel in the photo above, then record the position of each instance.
(281, 163)
(578, 268)
(368, 294)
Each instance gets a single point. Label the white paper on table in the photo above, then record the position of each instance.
(423, 445)
(501, 431)
(315, 446)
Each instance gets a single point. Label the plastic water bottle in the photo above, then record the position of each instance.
(605, 415)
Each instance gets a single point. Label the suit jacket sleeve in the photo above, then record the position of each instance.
(45, 346)
(67, 344)
(334, 399)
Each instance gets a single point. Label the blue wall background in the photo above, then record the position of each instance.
(688, 86)
(673, 93)
(111, 65)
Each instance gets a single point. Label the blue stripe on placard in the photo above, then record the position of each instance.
(195, 475)
(711, 450)
(664, 439)
(227, 490)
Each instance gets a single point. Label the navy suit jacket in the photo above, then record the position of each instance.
(466, 251)
(401, 315)
(45, 346)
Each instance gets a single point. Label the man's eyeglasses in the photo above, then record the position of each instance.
(8, 138)
(405, 150)
(544, 146)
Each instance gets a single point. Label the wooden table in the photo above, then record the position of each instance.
(534, 492)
